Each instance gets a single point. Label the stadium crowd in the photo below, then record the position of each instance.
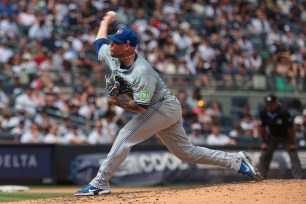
(46, 46)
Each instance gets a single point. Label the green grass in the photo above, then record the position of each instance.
(18, 196)
(7, 197)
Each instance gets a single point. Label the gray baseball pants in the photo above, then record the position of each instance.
(165, 120)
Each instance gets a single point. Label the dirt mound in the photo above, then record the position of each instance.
(269, 191)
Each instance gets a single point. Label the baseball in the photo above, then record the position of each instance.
(113, 14)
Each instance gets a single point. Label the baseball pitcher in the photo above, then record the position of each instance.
(135, 86)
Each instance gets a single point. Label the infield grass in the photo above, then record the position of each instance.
(9, 197)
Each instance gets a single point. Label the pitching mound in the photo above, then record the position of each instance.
(269, 191)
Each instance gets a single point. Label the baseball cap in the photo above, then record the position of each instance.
(298, 120)
(270, 99)
(196, 126)
(125, 36)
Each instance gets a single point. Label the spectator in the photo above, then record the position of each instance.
(260, 24)
(193, 100)
(14, 87)
(254, 63)
(4, 99)
(14, 120)
(41, 115)
(202, 114)
(236, 132)
(217, 138)
(8, 28)
(203, 70)
(195, 137)
(296, 74)
(182, 96)
(8, 8)
(37, 95)
(300, 131)
(99, 135)
(229, 75)
(64, 125)
(74, 113)
(27, 64)
(249, 125)
(110, 127)
(25, 17)
(24, 101)
(215, 109)
(19, 130)
(90, 110)
(6, 52)
(4, 119)
(52, 137)
(33, 135)
(75, 135)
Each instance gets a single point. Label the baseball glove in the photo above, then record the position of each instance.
(116, 85)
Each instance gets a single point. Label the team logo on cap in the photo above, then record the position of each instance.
(120, 31)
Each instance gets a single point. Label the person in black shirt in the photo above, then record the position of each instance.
(277, 128)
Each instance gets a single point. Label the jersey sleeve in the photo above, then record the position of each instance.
(143, 87)
(102, 48)
(99, 43)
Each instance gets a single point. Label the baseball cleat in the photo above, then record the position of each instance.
(90, 190)
(247, 168)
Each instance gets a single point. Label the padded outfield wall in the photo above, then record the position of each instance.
(146, 165)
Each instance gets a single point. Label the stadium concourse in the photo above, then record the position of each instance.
(52, 87)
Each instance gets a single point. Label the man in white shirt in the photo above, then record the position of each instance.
(75, 136)
(53, 137)
(216, 138)
(6, 53)
(99, 136)
(34, 135)
(24, 101)
(195, 137)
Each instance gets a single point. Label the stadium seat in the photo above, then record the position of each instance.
(259, 82)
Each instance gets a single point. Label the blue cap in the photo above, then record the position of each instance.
(125, 36)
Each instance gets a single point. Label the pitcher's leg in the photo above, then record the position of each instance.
(137, 130)
(176, 140)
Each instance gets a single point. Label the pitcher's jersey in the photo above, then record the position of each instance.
(147, 86)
